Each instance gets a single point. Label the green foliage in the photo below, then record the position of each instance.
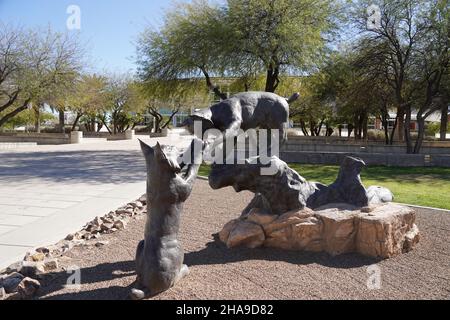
(408, 54)
(36, 66)
(432, 129)
(188, 93)
(241, 39)
(192, 38)
(28, 118)
(376, 135)
(283, 32)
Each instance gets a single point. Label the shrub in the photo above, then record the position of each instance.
(376, 135)
(432, 128)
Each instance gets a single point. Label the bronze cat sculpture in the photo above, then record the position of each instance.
(248, 110)
(170, 179)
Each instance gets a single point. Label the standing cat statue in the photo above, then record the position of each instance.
(170, 178)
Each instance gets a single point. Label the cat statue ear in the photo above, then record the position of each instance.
(148, 151)
(159, 153)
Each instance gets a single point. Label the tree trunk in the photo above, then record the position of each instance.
(158, 125)
(303, 127)
(12, 114)
(407, 133)
(401, 124)
(385, 123)
(99, 126)
(319, 128)
(75, 123)
(349, 130)
(444, 122)
(365, 128)
(212, 86)
(106, 126)
(272, 79)
(114, 122)
(391, 142)
(61, 121)
(421, 134)
(92, 125)
(329, 131)
(10, 101)
(358, 127)
(37, 121)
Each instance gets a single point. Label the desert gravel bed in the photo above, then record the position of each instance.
(107, 272)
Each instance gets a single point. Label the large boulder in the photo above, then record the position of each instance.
(387, 231)
(245, 233)
(380, 231)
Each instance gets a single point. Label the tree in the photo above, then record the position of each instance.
(241, 39)
(34, 65)
(392, 43)
(284, 35)
(124, 104)
(177, 94)
(445, 109)
(191, 42)
(431, 65)
(314, 109)
(409, 49)
(86, 99)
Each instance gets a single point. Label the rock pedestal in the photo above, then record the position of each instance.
(379, 231)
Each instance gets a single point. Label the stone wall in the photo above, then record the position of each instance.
(343, 140)
(108, 136)
(39, 138)
(347, 146)
(380, 159)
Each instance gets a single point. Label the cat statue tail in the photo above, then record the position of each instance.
(293, 98)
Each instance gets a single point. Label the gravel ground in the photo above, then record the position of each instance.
(219, 273)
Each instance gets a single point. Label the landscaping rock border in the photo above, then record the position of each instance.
(21, 279)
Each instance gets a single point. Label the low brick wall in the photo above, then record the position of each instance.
(295, 145)
(106, 135)
(382, 159)
(343, 140)
(39, 138)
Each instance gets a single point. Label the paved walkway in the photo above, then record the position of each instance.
(47, 192)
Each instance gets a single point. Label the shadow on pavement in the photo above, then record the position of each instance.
(96, 167)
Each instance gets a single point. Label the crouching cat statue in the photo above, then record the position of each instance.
(170, 178)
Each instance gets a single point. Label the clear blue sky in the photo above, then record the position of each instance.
(108, 27)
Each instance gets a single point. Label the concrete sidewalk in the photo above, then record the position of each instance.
(47, 192)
